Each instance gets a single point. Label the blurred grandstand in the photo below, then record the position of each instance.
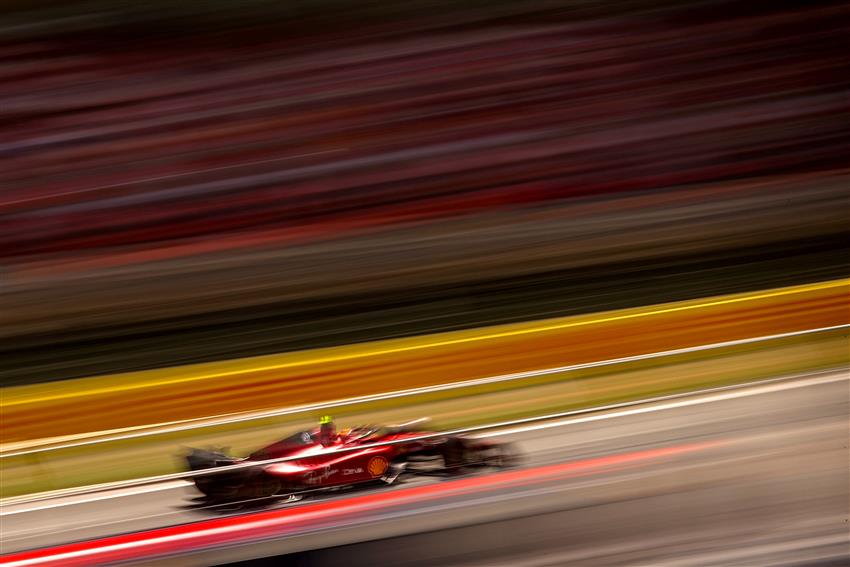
(192, 186)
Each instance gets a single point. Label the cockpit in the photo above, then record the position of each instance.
(363, 434)
(285, 446)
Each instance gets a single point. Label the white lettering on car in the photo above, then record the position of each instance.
(317, 476)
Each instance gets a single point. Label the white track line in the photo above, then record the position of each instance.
(699, 399)
(507, 428)
(752, 391)
(230, 419)
(120, 493)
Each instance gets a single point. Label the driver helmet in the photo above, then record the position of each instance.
(327, 431)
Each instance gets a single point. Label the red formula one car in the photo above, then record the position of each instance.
(324, 459)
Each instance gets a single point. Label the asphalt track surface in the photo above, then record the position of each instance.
(757, 476)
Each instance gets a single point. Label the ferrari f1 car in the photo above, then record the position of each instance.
(323, 460)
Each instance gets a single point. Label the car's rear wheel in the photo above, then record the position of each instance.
(219, 487)
(261, 485)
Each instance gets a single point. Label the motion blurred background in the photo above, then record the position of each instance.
(207, 180)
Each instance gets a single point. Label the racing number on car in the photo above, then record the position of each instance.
(377, 466)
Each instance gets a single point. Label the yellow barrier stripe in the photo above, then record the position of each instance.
(18, 448)
(425, 343)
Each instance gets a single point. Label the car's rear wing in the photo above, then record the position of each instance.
(200, 459)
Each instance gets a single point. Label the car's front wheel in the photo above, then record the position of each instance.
(502, 456)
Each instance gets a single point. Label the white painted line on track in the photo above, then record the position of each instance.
(699, 398)
(119, 493)
(537, 423)
(37, 446)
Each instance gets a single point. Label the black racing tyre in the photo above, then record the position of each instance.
(503, 455)
(260, 485)
(217, 488)
(454, 454)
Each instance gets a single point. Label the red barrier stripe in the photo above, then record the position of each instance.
(276, 523)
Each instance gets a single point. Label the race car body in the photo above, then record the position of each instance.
(355, 456)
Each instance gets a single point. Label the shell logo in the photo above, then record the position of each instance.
(377, 466)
